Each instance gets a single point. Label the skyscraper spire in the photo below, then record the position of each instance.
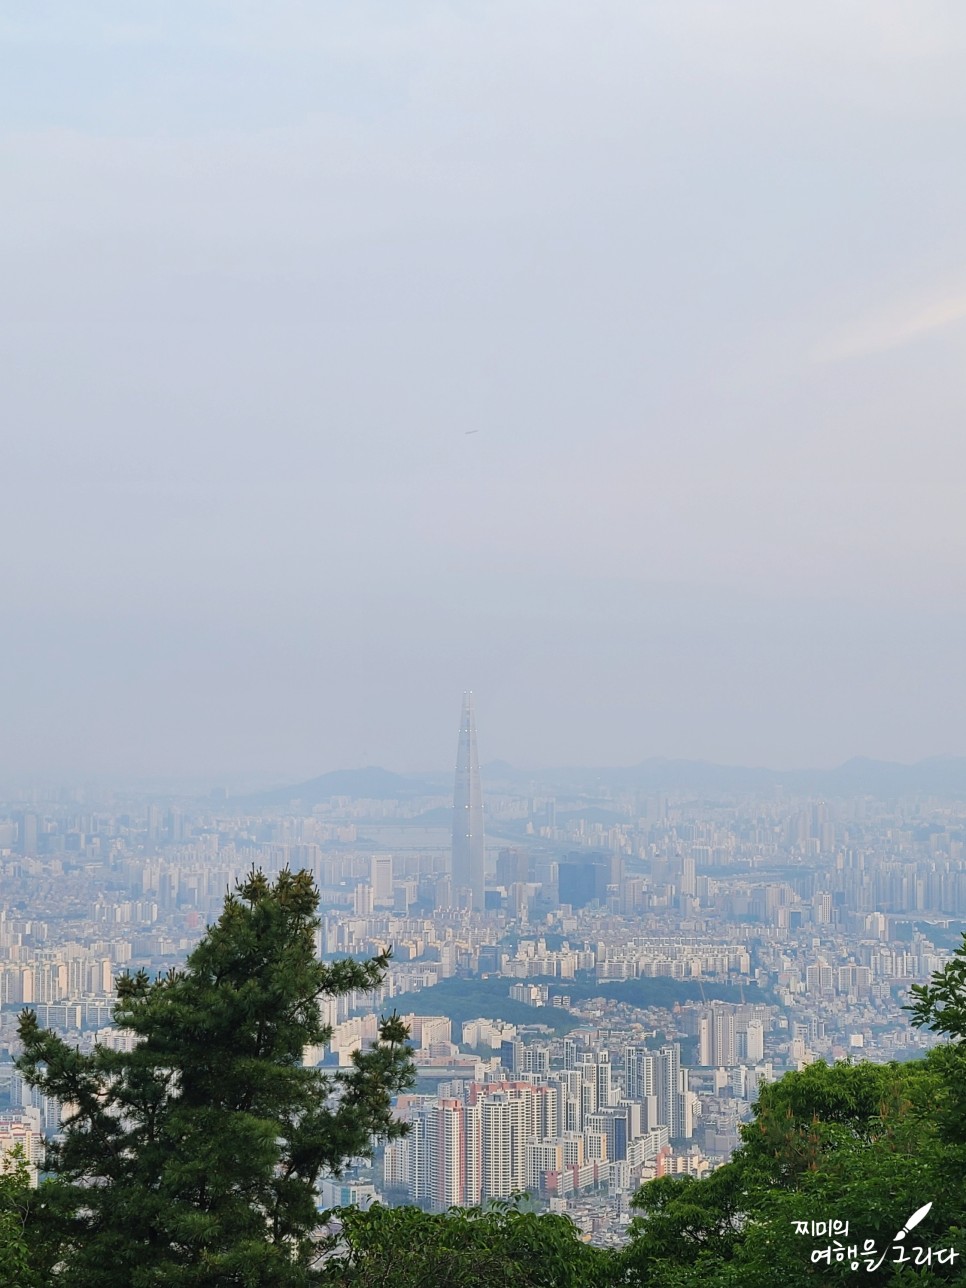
(468, 845)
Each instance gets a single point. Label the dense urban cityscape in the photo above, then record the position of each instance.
(482, 778)
(597, 980)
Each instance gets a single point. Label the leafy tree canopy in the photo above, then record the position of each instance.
(15, 1201)
(501, 1245)
(863, 1143)
(193, 1158)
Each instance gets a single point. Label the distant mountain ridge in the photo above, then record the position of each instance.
(937, 775)
(370, 783)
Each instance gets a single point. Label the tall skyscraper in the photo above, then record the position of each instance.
(380, 878)
(468, 845)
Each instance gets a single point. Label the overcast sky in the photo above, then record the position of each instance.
(606, 358)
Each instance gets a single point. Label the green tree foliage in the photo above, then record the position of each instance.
(852, 1142)
(193, 1159)
(499, 1246)
(863, 1143)
(940, 1005)
(15, 1202)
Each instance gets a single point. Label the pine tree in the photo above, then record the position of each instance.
(193, 1158)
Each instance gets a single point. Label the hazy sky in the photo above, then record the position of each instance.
(693, 273)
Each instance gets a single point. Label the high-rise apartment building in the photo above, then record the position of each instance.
(468, 842)
(717, 1045)
(755, 1041)
(657, 1081)
(446, 1148)
(598, 1091)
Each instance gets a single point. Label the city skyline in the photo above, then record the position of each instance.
(604, 365)
(646, 961)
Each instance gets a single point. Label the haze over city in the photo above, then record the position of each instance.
(607, 360)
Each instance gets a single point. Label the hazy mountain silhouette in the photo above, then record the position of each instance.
(370, 783)
(938, 775)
